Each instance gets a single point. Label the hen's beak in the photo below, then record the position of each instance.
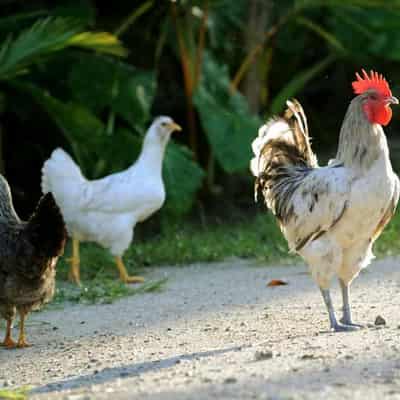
(393, 100)
(174, 127)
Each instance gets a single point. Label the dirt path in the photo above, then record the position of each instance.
(217, 332)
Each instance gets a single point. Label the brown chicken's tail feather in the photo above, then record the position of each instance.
(46, 228)
(282, 156)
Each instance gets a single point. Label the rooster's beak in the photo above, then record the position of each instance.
(174, 127)
(393, 100)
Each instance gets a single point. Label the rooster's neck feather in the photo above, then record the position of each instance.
(360, 142)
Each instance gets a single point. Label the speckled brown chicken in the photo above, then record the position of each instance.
(28, 257)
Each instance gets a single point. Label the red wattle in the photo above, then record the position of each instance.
(378, 113)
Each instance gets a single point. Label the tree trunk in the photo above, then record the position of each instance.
(257, 21)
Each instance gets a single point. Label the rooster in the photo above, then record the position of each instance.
(106, 210)
(331, 215)
(28, 256)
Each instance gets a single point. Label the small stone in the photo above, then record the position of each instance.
(55, 328)
(307, 357)
(380, 321)
(230, 380)
(263, 355)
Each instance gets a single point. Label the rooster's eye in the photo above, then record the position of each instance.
(373, 97)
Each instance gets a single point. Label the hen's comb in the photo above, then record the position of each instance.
(374, 81)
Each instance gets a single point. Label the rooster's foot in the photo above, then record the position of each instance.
(344, 328)
(350, 323)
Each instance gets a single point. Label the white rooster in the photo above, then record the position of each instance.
(331, 215)
(106, 210)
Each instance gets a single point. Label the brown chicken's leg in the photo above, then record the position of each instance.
(74, 274)
(123, 273)
(22, 340)
(8, 342)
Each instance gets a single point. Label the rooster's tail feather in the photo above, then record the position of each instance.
(282, 153)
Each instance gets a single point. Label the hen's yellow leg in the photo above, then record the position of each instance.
(74, 274)
(123, 273)
(22, 340)
(8, 342)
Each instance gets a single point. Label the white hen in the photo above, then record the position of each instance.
(106, 210)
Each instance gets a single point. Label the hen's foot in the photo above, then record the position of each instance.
(132, 279)
(22, 343)
(123, 273)
(74, 274)
(8, 343)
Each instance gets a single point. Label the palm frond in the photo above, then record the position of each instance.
(47, 36)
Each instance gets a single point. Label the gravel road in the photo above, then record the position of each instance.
(217, 331)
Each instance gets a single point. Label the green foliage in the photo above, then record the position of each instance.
(183, 58)
(182, 177)
(47, 36)
(297, 83)
(225, 117)
(102, 83)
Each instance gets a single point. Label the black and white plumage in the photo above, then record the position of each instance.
(329, 215)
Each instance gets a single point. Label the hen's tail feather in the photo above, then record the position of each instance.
(282, 156)
(46, 228)
(57, 172)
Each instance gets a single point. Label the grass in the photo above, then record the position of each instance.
(180, 244)
(103, 291)
(15, 394)
(256, 237)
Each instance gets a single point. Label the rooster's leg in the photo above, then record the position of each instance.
(8, 342)
(74, 271)
(22, 340)
(346, 319)
(123, 273)
(335, 326)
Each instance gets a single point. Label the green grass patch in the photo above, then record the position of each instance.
(184, 243)
(388, 243)
(16, 394)
(104, 291)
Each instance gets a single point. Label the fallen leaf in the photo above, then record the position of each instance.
(276, 282)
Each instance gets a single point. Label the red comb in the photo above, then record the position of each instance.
(374, 81)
